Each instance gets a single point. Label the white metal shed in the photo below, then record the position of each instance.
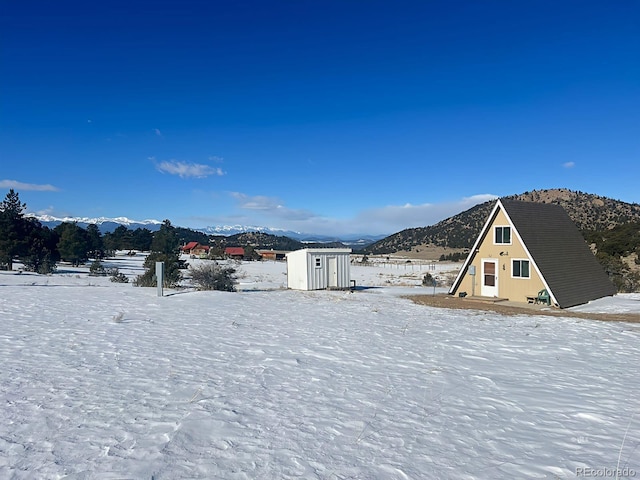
(319, 269)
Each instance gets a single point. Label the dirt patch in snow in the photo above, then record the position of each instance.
(448, 301)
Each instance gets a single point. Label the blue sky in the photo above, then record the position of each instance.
(328, 116)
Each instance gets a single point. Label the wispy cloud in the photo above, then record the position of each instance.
(157, 132)
(394, 218)
(188, 170)
(270, 211)
(256, 202)
(27, 186)
(569, 164)
(46, 211)
(270, 206)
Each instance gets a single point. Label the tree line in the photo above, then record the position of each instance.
(40, 248)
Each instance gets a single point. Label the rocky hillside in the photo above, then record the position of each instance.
(261, 240)
(256, 240)
(589, 212)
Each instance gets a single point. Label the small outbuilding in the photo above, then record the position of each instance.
(532, 252)
(319, 269)
(272, 254)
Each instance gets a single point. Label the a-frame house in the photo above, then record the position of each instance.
(527, 247)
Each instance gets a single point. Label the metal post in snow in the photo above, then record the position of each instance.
(160, 276)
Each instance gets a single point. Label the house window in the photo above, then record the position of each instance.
(503, 235)
(520, 269)
(318, 265)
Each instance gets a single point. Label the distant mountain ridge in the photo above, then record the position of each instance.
(589, 212)
(104, 224)
(110, 224)
(231, 230)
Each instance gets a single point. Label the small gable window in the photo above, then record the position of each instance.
(502, 235)
(520, 268)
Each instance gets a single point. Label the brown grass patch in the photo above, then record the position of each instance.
(449, 301)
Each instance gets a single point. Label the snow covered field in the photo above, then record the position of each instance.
(107, 381)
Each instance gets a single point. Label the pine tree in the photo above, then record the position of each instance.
(164, 248)
(13, 229)
(119, 239)
(141, 239)
(166, 239)
(94, 241)
(73, 245)
(42, 253)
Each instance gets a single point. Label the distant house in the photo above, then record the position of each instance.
(194, 248)
(319, 268)
(188, 247)
(234, 252)
(525, 248)
(272, 254)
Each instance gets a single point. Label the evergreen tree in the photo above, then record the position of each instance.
(119, 239)
(13, 229)
(141, 239)
(164, 248)
(166, 239)
(42, 253)
(94, 241)
(73, 245)
(250, 253)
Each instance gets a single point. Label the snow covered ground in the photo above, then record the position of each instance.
(107, 381)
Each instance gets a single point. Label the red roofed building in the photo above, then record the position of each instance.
(188, 247)
(234, 252)
(194, 248)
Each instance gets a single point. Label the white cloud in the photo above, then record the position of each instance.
(394, 218)
(270, 212)
(256, 202)
(270, 206)
(187, 170)
(27, 186)
(569, 164)
(46, 211)
(157, 132)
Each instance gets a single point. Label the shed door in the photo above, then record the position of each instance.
(489, 285)
(333, 272)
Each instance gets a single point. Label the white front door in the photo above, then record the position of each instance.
(489, 283)
(333, 272)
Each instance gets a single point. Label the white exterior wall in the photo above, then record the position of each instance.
(297, 277)
(319, 268)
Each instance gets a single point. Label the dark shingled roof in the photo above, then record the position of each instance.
(559, 250)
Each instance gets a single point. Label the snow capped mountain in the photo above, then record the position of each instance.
(103, 223)
(110, 224)
(97, 220)
(228, 230)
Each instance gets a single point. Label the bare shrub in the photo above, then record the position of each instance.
(213, 276)
(116, 276)
(96, 269)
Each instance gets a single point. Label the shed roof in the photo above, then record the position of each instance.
(323, 250)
